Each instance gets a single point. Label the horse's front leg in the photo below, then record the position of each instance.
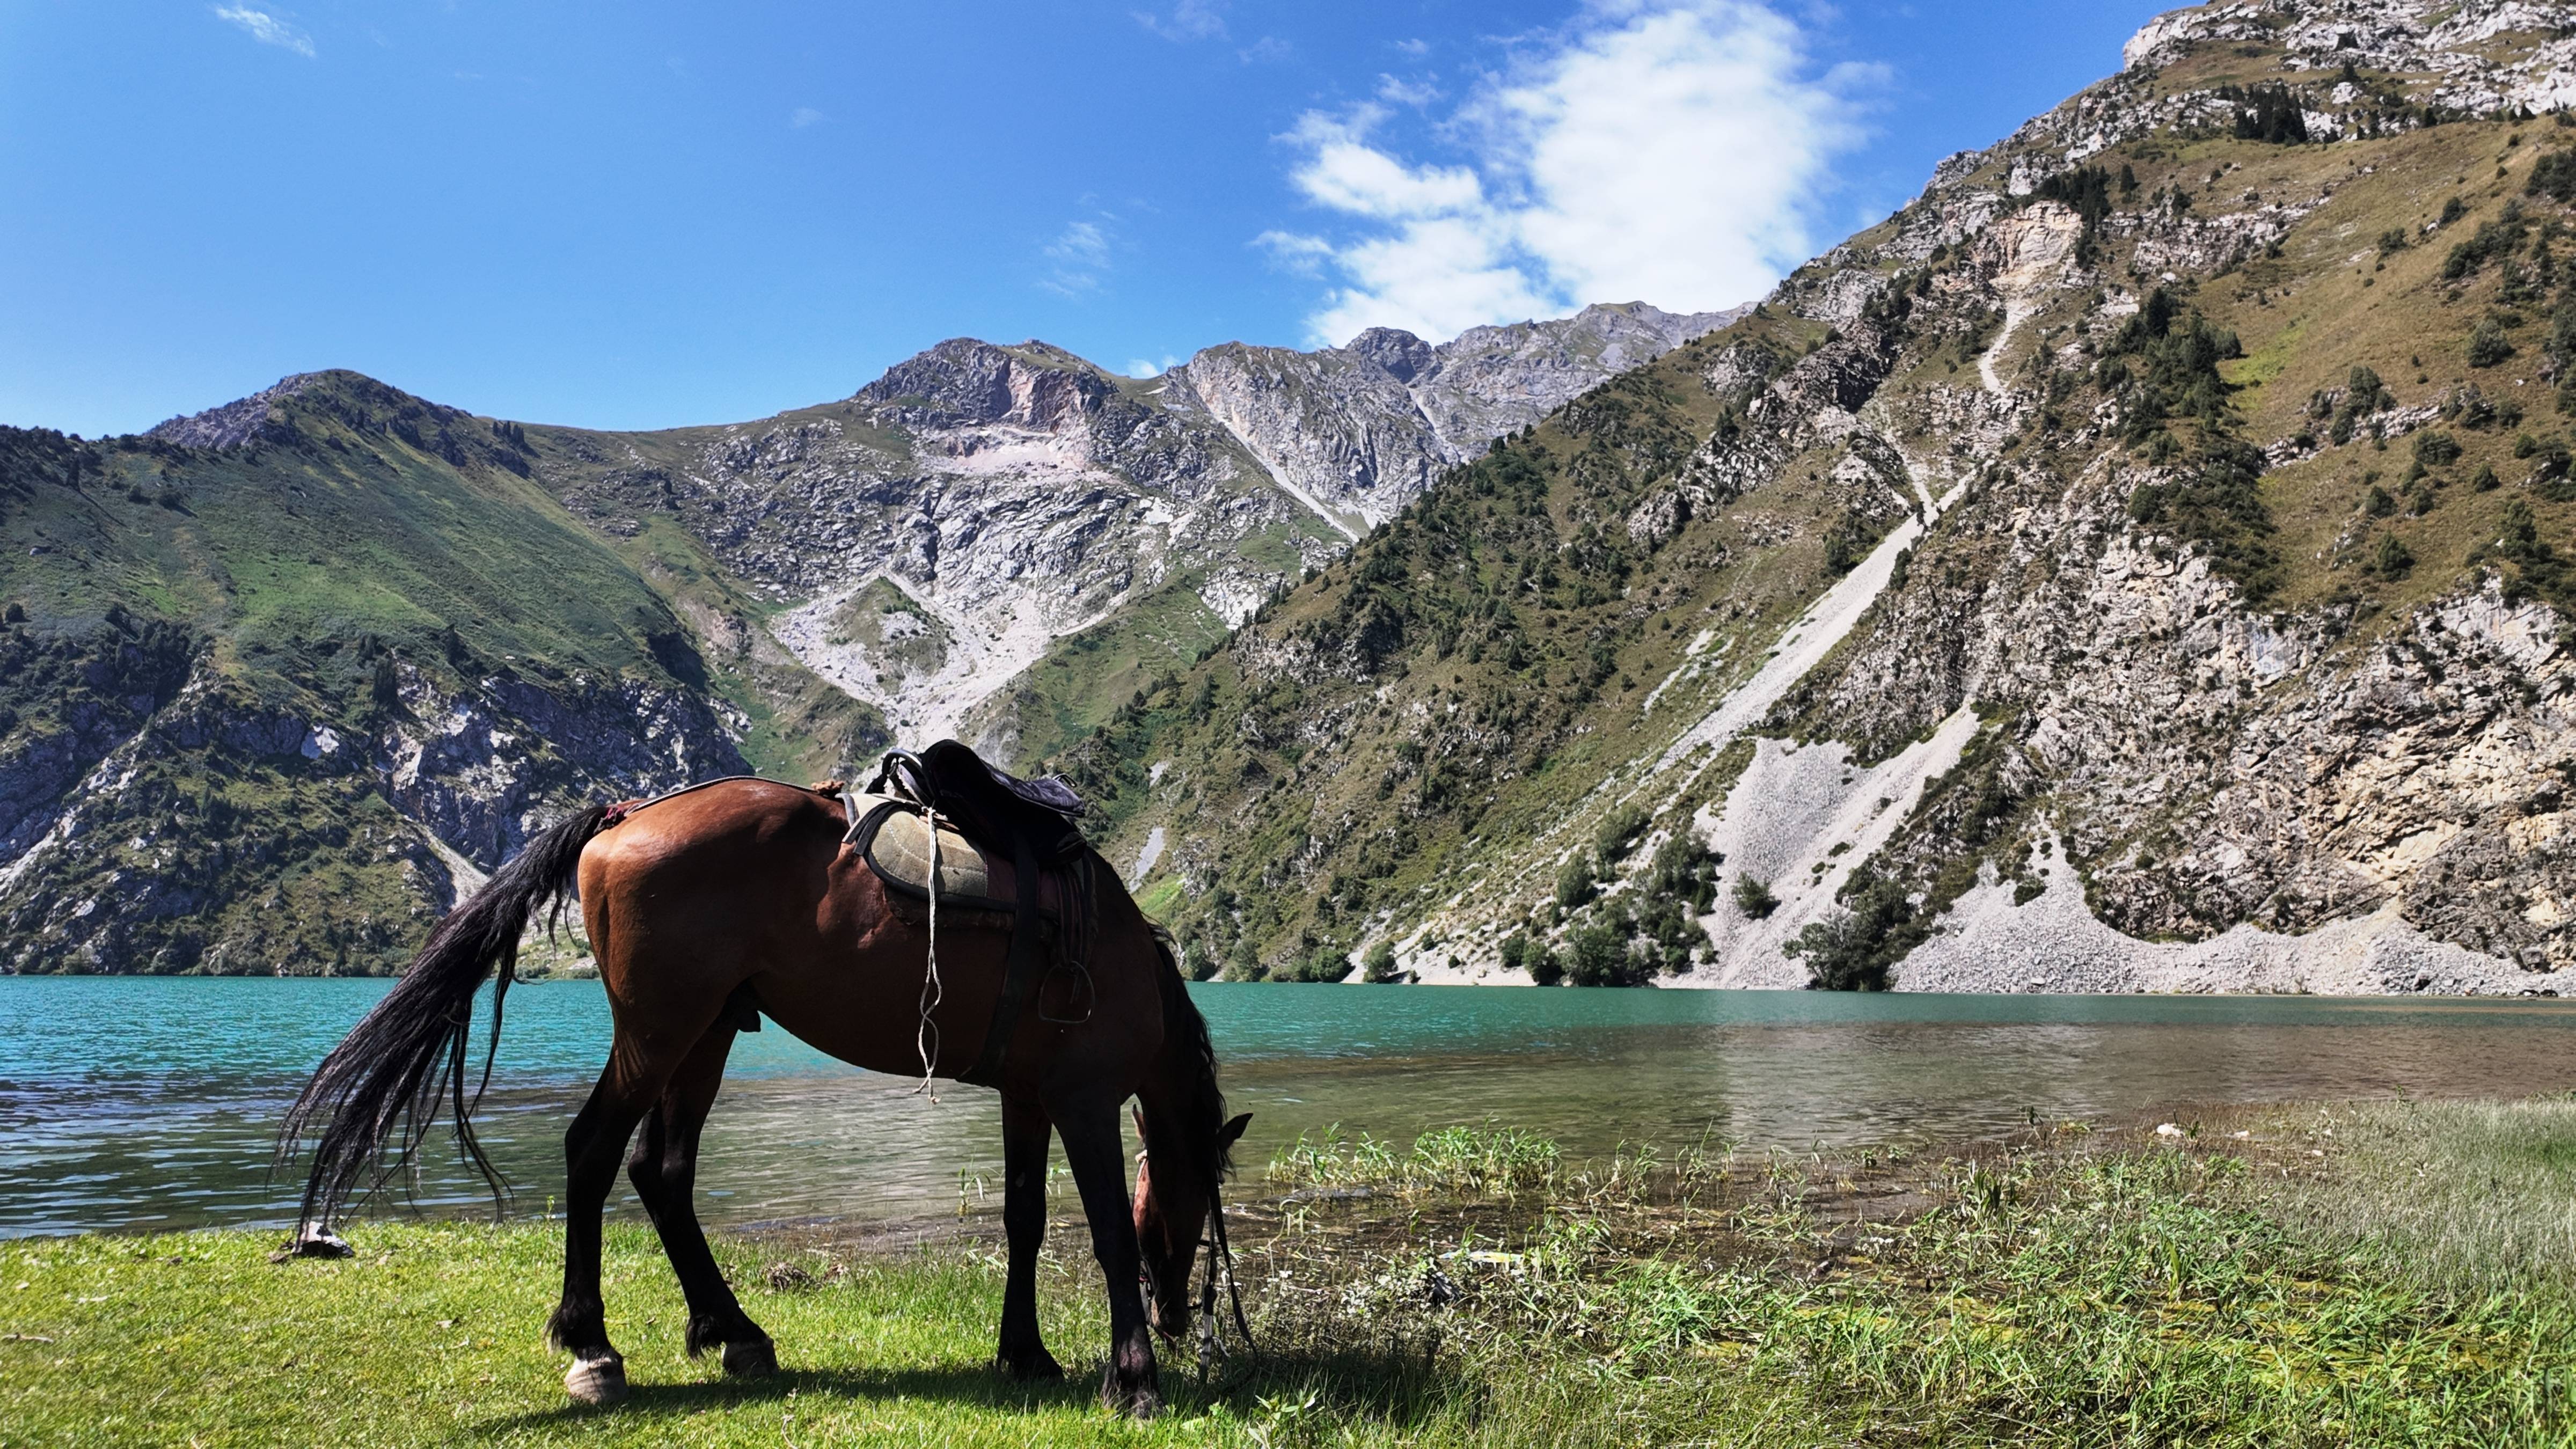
(1091, 1144)
(1025, 1132)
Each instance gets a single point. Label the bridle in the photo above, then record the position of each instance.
(1220, 1260)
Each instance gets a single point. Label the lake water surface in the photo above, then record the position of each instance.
(131, 1103)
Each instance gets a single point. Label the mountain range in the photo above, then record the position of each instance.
(2141, 562)
(280, 679)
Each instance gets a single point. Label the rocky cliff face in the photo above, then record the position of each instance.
(1000, 542)
(2291, 747)
(2138, 564)
(933, 537)
(1357, 432)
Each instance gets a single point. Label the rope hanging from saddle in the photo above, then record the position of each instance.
(1032, 820)
(925, 1036)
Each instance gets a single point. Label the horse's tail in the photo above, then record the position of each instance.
(389, 1069)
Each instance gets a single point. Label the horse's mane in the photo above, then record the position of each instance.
(1202, 1104)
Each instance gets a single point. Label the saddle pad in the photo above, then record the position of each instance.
(890, 835)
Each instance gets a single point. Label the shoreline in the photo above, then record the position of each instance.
(2440, 991)
(2320, 1272)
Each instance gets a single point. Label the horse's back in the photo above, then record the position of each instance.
(703, 863)
(714, 828)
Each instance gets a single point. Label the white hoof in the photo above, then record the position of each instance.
(600, 1379)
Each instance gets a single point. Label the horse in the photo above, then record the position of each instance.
(740, 896)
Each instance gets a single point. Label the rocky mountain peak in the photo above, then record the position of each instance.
(966, 382)
(2309, 70)
(339, 399)
(1403, 355)
(1358, 431)
(235, 423)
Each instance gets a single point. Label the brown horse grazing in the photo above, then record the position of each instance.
(704, 905)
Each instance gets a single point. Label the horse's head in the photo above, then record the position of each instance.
(1172, 1209)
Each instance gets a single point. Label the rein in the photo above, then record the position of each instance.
(1221, 1253)
(1220, 1259)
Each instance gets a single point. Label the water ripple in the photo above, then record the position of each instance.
(143, 1103)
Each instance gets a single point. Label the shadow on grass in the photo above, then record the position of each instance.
(1394, 1384)
(976, 1385)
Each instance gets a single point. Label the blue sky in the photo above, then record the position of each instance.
(648, 214)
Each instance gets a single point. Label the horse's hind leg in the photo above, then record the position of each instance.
(1025, 1131)
(1091, 1145)
(596, 1139)
(664, 1170)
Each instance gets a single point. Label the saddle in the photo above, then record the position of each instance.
(989, 804)
(982, 811)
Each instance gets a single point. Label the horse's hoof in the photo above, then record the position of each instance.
(1027, 1367)
(314, 1242)
(750, 1358)
(597, 1379)
(1139, 1402)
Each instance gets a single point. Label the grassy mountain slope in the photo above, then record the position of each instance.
(1468, 676)
(265, 706)
(2160, 494)
(286, 675)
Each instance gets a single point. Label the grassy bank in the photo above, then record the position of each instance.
(2389, 1273)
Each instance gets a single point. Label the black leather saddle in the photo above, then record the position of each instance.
(994, 808)
(1032, 822)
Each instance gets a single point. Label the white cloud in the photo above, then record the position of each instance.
(1077, 258)
(267, 29)
(1139, 367)
(1081, 243)
(1303, 255)
(1670, 151)
(1189, 20)
(1416, 93)
(1344, 172)
(803, 116)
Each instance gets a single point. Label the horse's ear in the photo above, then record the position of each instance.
(1226, 1134)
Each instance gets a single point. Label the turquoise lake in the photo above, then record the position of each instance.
(137, 1103)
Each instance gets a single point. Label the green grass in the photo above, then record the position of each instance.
(2407, 1286)
(431, 1336)
(868, 619)
(2489, 1199)
(1085, 676)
